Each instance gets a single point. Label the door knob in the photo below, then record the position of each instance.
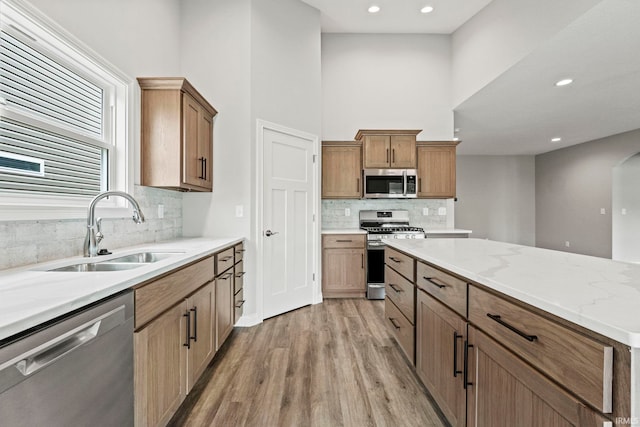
(270, 233)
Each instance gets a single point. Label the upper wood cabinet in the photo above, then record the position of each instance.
(437, 169)
(341, 170)
(176, 145)
(388, 148)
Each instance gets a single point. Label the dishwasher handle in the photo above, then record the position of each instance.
(45, 354)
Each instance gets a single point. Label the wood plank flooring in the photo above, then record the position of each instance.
(331, 364)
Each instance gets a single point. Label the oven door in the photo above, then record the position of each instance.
(375, 270)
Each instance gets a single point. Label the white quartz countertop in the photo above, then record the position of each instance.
(30, 295)
(596, 293)
(344, 231)
(448, 231)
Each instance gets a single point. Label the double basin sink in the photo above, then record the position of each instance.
(126, 262)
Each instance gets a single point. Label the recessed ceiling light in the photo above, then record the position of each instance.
(374, 9)
(556, 139)
(427, 9)
(564, 82)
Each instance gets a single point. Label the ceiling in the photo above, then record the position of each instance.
(521, 110)
(395, 16)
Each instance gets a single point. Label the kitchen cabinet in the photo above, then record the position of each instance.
(341, 170)
(343, 265)
(436, 169)
(238, 282)
(400, 294)
(173, 345)
(505, 391)
(225, 302)
(440, 336)
(395, 149)
(176, 145)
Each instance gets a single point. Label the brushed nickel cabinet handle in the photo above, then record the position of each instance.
(497, 318)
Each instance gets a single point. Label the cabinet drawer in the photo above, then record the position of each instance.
(239, 277)
(238, 252)
(448, 289)
(238, 305)
(581, 364)
(153, 298)
(402, 330)
(343, 240)
(400, 262)
(401, 292)
(224, 260)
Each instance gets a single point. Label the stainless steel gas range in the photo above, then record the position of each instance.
(381, 226)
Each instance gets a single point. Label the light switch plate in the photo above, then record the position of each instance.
(239, 211)
(624, 211)
(160, 211)
(347, 212)
(603, 211)
(425, 211)
(442, 211)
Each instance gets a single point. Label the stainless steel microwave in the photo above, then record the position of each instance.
(390, 183)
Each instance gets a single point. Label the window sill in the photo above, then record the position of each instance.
(14, 208)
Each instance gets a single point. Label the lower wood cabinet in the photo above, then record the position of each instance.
(224, 307)
(440, 338)
(171, 353)
(504, 391)
(343, 265)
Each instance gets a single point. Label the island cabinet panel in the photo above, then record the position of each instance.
(581, 364)
(401, 292)
(403, 264)
(440, 337)
(504, 391)
(445, 287)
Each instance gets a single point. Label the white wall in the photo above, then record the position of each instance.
(386, 81)
(503, 33)
(496, 197)
(626, 195)
(252, 59)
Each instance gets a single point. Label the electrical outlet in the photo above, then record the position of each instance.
(239, 211)
(347, 212)
(160, 211)
(442, 211)
(425, 211)
(624, 211)
(603, 211)
(567, 244)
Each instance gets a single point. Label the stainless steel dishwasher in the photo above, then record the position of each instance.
(73, 371)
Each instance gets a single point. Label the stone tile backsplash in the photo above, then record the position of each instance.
(333, 211)
(29, 242)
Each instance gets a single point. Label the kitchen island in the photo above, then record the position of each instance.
(570, 297)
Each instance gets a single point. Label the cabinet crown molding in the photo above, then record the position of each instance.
(363, 132)
(175, 83)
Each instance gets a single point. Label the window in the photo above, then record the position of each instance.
(63, 116)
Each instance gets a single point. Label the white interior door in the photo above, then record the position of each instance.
(288, 238)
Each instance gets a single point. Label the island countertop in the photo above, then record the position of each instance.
(596, 293)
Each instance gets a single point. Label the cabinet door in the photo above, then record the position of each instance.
(205, 147)
(504, 391)
(403, 151)
(436, 172)
(224, 307)
(440, 335)
(341, 172)
(377, 151)
(343, 272)
(160, 367)
(201, 307)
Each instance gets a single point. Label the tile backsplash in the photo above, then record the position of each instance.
(333, 211)
(29, 242)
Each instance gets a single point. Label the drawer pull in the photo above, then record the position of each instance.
(395, 287)
(394, 323)
(394, 259)
(240, 303)
(344, 241)
(498, 319)
(433, 282)
(227, 258)
(239, 251)
(455, 354)
(240, 274)
(465, 374)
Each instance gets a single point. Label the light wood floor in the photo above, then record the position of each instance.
(331, 364)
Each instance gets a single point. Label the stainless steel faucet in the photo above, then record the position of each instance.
(94, 232)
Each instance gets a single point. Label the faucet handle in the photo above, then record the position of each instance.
(138, 217)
